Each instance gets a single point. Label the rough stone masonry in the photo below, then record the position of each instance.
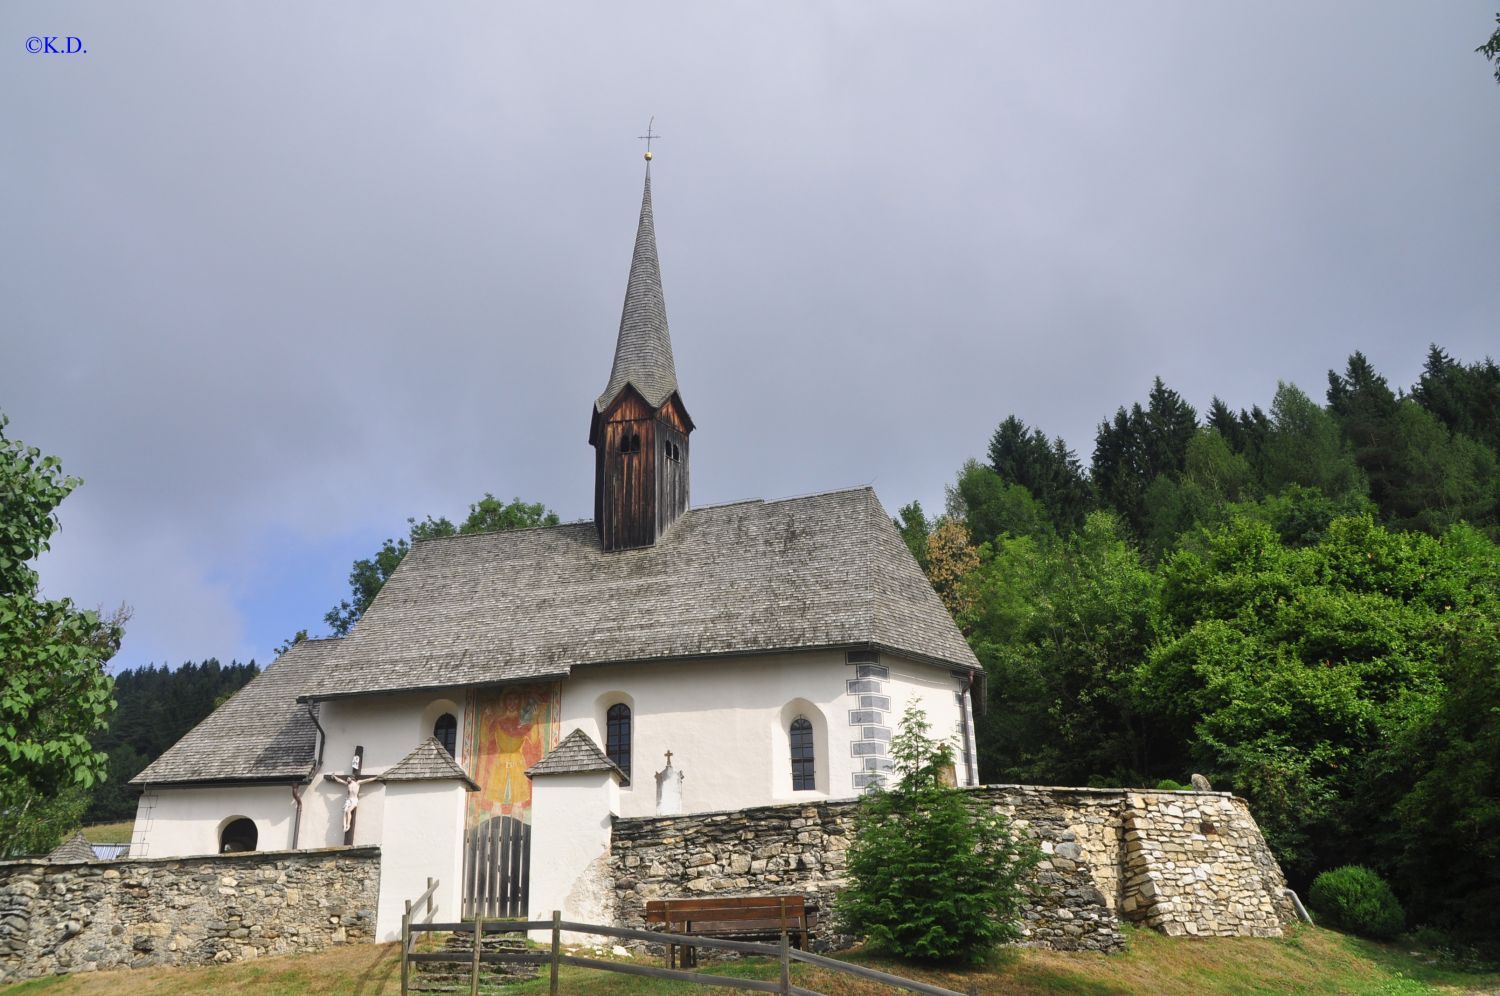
(1180, 862)
(86, 915)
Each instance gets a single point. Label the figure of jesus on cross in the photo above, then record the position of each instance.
(351, 782)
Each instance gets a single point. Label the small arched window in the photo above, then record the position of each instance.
(446, 732)
(238, 835)
(803, 778)
(617, 737)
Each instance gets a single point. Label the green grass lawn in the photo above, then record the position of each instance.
(109, 833)
(1308, 960)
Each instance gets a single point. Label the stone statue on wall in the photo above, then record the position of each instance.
(669, 790)
(1201, 783)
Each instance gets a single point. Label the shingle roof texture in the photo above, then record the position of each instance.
(428, 762)
(825, 570)
(75, 848)
(260, 733)
(643, 352)
(575, 754)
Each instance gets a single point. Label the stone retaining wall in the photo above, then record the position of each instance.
(87, 915)
(1197, 864)
(1180, 862)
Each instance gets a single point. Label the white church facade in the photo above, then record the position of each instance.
(507, 695)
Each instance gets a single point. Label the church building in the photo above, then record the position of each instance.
(507, 695)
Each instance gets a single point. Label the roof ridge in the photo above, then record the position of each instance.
(849, 489)
(492, 532)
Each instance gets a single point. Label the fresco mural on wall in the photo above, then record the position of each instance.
(509, 729)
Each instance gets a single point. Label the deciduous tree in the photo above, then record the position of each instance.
(53, 690)
(369, 575)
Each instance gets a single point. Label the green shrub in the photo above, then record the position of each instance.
(934, 874)
(1167, 785)
(1356, 899)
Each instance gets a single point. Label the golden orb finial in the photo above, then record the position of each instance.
(648, 137)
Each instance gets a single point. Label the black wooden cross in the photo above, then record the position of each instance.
(351, 781)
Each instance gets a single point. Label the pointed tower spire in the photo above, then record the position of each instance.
(639, 426)
(643, 351)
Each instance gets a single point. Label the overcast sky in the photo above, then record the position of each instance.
(276, 276)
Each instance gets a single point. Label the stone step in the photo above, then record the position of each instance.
(428, 976)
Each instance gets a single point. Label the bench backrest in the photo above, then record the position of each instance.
(729, 911)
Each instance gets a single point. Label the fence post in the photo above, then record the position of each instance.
(556, 946)
(405, 946)
(786, 962)
(431, 906)
(478, 945)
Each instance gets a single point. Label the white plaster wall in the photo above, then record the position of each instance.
(173, 822)
(932, 690)
(722, 720)
(423, 837)
(570, 834)
(388, 727)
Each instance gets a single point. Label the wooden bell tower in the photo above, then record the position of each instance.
(639, 426)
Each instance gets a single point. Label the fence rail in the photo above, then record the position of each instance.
(407, 925)
(479, 927)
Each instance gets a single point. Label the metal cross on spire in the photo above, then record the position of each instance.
(649, 136)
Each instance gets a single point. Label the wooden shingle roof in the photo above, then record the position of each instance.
(260, 734)
(643, 351)
(428, 762)
(75, 848)
(574, 754)
(823, 571)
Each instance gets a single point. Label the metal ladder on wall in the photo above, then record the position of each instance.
(143, 823)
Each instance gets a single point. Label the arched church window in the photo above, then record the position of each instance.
(617, 737)
(238, 835)
(803, 778)
(446, 732)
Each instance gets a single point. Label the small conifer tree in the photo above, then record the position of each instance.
(934, 874)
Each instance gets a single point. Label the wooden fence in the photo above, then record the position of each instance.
(553, 958)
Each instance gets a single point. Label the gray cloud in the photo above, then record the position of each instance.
(277, 276)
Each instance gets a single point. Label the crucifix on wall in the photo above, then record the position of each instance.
(351, 782)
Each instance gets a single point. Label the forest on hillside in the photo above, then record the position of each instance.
(1301, 602)
(155, 707)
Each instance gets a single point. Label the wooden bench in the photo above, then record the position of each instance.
(747, 917)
